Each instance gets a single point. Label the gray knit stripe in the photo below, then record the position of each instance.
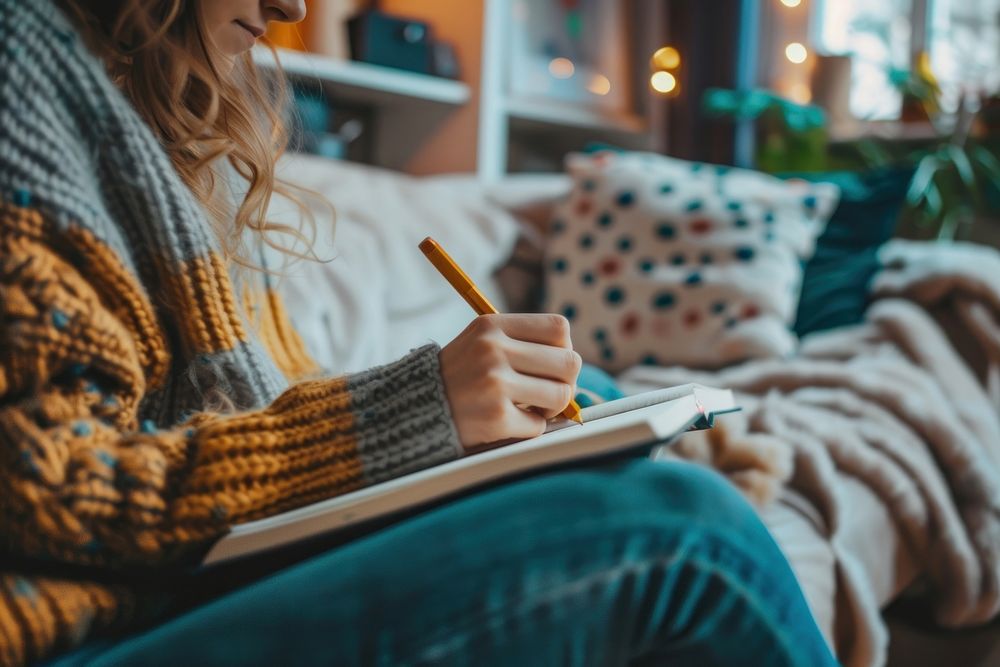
(73, 145)
(47, 163)
(55, 111)
(402, 417)
(131, 172)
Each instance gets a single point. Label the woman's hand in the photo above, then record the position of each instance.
(505, 375)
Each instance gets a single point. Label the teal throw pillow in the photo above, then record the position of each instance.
(836, 279)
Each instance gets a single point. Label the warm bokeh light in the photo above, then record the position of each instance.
(800, 93)
(666, 57)
(791, 3)
(599, 85)
(796, 53)
(561, 68)
(663, 82)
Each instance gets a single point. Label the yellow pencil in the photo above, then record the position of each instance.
(467, 289)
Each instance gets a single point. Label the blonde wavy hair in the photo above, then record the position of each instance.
(159, 54)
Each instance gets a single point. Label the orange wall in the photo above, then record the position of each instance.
(452, 146)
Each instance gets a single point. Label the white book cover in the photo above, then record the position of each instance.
(630, 423)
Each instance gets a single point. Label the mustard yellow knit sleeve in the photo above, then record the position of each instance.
(84, 480)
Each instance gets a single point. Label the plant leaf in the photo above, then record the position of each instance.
(946, 232)
(922, 179)
(872, 153)
(742, 105)
(898, 77)
(965, 171)
(934, 202)
(989, 162)
(719, 102)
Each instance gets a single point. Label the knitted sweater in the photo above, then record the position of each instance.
(119, 328)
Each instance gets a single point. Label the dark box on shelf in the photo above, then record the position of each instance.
(381, 39)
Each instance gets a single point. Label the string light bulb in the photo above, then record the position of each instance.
(599, 85)
(663, 82)
(561, 68)
(796, 53)
(666, 57)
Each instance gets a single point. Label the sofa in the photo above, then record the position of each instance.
(373, 297)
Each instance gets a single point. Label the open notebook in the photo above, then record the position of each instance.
(608, 428)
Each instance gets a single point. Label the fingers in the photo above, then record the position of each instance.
(550, 397)
(544, 365)
(501, 362)
(543, 329)
(544, 361)
(523, 423)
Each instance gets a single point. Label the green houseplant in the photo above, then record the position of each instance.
(957, 175)
(791, 137)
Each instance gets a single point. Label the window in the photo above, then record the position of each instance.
(877, 36)
(962, 38)
(964, 45)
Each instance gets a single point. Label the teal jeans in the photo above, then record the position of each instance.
(637, 563)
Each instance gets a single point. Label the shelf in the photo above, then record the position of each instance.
(885, 130)
(563, 114)
(361, 83)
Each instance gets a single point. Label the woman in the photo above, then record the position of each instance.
(142, 413)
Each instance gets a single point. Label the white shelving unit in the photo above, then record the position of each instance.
(517, 134)
(560, 114)
(497, 131)
(404, 106)
(361, 83)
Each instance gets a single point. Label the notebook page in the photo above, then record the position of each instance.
(626, 404)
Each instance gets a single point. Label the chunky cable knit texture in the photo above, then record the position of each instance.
(119, 330)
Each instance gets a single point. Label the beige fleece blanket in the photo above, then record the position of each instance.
(907, 406)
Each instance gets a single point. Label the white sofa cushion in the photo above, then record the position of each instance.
(379, 297)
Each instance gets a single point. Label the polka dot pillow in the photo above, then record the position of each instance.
(664, 262)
